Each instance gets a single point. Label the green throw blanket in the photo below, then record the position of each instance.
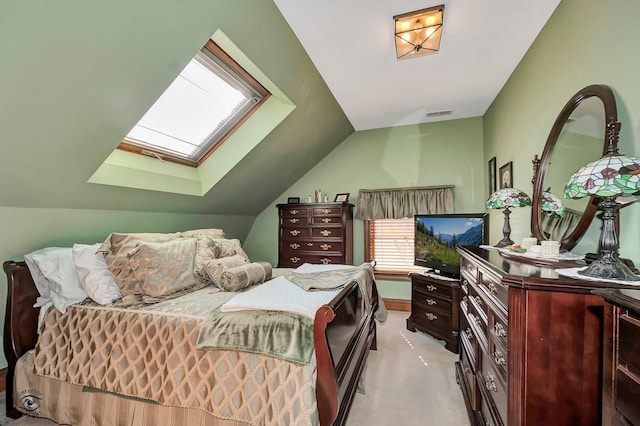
(279, 334)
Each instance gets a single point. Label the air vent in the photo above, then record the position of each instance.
(439, 113)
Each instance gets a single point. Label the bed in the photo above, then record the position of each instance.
(343, 330)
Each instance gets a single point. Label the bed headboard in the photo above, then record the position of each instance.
(20, 321)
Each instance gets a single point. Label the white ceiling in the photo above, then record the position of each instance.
(351, 43)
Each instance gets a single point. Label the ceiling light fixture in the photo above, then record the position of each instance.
(418, 33)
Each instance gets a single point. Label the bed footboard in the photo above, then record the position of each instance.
(343, 335)
(20, 322)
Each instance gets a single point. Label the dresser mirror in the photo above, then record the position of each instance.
(578, 137)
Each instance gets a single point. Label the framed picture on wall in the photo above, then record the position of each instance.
(492, 176)
(506, 175)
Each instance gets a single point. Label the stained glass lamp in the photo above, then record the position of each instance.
(505, 199)
(612, 176)
(551, 205)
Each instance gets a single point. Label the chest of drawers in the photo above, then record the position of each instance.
(434, 308)
(318, 233)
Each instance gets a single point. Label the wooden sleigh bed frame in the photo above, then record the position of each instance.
(343, 336)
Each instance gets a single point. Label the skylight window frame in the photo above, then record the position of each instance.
(229, 70)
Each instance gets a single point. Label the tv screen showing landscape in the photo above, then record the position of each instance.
(436, 238)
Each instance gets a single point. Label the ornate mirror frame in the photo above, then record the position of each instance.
(541, 165)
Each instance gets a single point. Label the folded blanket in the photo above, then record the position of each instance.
(280, 334)
(280, 295)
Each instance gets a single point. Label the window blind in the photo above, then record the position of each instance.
(392, 244)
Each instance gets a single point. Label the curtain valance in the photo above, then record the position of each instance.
(399, 203)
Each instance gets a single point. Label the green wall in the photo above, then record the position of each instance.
(442, 153)
(24, 230)
(585, 42)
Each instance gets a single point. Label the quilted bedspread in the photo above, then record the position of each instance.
(150, 352)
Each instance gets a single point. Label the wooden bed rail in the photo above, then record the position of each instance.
(337, 379)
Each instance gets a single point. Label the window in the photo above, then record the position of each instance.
(390, 242)
(210, 98)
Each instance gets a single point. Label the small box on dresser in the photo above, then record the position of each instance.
(318, 233)
(434, 307)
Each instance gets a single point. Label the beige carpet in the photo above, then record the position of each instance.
(410, 380)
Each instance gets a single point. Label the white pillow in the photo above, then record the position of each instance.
(95, 277)
(55, 264)
(42, 284)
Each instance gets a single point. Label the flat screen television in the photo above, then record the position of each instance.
(437, 235)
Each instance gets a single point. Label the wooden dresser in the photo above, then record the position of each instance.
(319, 233)
(434, 307)
(621, 357)
(531, 343)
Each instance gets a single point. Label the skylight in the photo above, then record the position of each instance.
(204, 104)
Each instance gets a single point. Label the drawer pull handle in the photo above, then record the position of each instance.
(294, 259)
(309, 244)
(294, 246)
(326, 211)
(430, 316)
(465, 288)
(478, 300)
(500, 331)
(295, 232)
(294, 211)
(294, 220)
(490, 383)
(326, 220)
(463, 303)
(325, 246)
(492, 289)
(431, 302)
(469, 333)
(499, 359)
(325, 232)
(325, 261)
(431, 287)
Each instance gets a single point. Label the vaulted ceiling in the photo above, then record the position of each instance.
(75, 76)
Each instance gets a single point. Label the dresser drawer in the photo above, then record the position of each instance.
(495, 288)
(479, 303)
(628, 395)
(474, 322)
(327, 211)
(431, 303)
(435, 318)
(495, 387)
(300, 245)
(629, 343)
(327, 232)
(430, 288)
(499, 330)
(297, 233)
(324, 220)
(489, 415)
(293, 222)
(293, 212)
(468, 269)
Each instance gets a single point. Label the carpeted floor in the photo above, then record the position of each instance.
(410, 380)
